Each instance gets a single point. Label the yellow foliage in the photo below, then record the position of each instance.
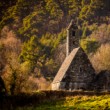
(101, 59)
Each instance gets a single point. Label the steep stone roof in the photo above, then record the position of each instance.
(65, 65)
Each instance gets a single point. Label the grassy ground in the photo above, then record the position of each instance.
(74, 103)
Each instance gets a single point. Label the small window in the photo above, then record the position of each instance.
(73, 42)
(73, 33)
(80, 70)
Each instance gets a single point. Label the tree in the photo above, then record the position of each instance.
(101, 59)
(31, 52)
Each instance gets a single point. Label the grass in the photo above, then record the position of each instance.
(74, 103)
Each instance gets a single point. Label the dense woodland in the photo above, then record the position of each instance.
(33, 37)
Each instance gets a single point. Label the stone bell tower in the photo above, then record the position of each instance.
(72, 37)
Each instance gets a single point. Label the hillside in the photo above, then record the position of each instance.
(33, 33)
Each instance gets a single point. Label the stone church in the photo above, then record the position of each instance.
(76, 72)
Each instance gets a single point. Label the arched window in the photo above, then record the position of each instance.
(80, 69)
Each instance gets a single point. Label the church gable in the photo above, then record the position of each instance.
(81, 64)
(80, 72)
(76, 71)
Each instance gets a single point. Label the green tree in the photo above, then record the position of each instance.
(31, 51)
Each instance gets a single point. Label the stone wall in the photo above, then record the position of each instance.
(58, 86)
